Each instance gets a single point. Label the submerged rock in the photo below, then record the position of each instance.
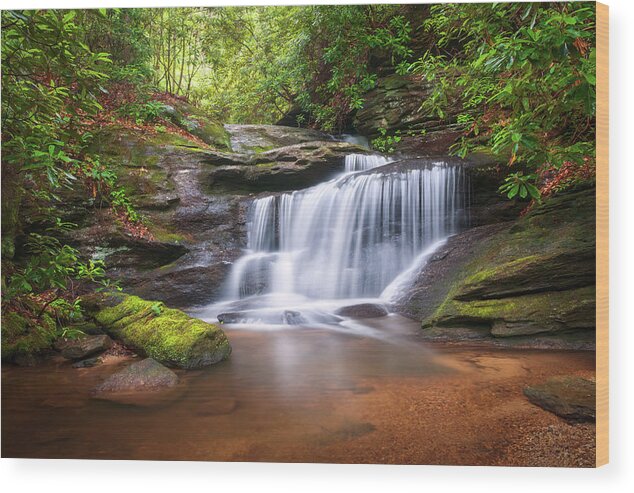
(571, 398)
(363, 310)
(81, 348)
(165, 334)
(147, 374)
(88, 363)
(145, 383)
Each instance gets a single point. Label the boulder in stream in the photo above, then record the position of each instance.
(572, 398)
(363, 310)
(77, 349)
(145, 383)
(165, 334)
(147, 374)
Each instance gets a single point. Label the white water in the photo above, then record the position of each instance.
(362, 236)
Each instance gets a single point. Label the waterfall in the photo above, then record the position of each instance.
(350, 237)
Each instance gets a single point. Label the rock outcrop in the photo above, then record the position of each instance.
(167, 335)
(194, 201)
(287, 168)
(531, 281)
(196, 233)
(249, 139)
(395, 105)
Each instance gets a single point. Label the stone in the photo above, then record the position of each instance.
(572, 398)
(196, 122)
(145, 383)
(395, 105)
(24, 339)
(145, 375)
(363, 310)
(168, 335)
(77, 349)
(87, 363)
(258, 138)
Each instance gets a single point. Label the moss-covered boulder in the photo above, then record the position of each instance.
(198, 123)
(164, 334)
(23, 338)
(533, 278)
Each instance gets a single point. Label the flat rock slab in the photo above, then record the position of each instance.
(86, 346)
(572, 398)
(363, 310)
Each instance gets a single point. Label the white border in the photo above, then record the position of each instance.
(51, 476)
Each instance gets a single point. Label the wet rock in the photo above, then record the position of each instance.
(530, 278)
(81, 348)
(23, 340)
(144, 375)
(571, 398)
(219, 407)
(259, 138)
(286, 168)
(87, 363)
(363, 310)
(145, 383)
(27, 359)
(291, 317)
(395, 106)
(284, 317)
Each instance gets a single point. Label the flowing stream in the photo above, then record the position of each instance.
(360, 237)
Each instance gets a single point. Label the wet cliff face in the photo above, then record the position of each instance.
(527, 281)
(395, 105)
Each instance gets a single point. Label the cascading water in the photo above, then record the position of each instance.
(357, 236)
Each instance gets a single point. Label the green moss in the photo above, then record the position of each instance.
(171, 337)
(165, 233)
(504, 269)
(536, 277)
(214, 133)
(261, 149)
(21, 337)
(266, 165)
(551, 311)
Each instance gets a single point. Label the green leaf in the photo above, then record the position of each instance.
(69, 16)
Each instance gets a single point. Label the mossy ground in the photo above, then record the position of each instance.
(22, 336)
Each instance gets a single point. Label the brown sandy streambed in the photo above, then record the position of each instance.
(311, 395)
